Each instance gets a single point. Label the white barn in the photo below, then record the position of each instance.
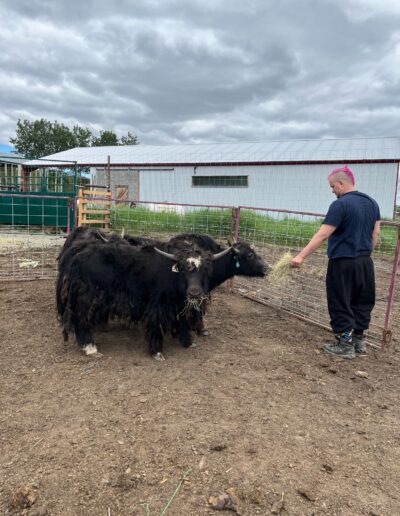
(288, 175)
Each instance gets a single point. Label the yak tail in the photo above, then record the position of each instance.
(97, 301)
(64, 294)
(68, 299)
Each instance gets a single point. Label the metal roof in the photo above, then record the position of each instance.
(12, 157)
(276, 151)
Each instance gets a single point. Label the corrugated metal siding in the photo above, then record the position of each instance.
(292, 187)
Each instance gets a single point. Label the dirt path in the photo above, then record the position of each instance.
(256, 407)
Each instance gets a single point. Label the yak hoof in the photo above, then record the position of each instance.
(192, 345)
(158, 356)
(90, 349)
(204, 333)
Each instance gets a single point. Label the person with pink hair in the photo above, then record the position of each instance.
(351, 227)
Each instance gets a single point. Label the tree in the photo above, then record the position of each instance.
(83, 136)
(129, 139)
(105, 138)
(32, 138)
(42, 138)
(61, 138)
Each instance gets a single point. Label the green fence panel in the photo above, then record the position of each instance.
(37, 210)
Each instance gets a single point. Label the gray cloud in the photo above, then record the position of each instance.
(203, 70)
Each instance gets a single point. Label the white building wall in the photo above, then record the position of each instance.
(291, 187)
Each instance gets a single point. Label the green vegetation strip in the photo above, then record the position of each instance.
(260, 229)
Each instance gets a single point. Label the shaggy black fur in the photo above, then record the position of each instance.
(100, 280)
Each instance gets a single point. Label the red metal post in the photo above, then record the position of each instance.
(387, 332)
(108, 173)
(237, 223)
(233, 227)
(395, 193)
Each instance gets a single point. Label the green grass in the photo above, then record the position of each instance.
(143, 221)
(287, 231)
(388, 239)
(254, 227)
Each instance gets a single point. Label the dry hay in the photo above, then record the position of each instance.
(281, 269)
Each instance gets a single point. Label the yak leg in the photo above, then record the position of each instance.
(184, 335)
(200, 329)
(155, 337)
(196, 323)
(85, 340)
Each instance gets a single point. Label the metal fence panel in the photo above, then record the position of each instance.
(32, 231)
(30, 251)
(36, 210)
(162, 220)
(303, 292)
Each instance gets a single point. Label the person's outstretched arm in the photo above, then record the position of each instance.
(324, 232)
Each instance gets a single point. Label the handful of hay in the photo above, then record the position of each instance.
(280, 271)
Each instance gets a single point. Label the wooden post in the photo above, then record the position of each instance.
(108, 173)
(102, 207)
(80, 206)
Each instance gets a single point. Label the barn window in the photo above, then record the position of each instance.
(220, 181)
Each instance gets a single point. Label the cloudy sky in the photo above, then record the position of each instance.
(185, 71)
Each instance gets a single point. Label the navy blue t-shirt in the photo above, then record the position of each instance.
(354, 216)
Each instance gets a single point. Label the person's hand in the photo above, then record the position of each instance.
(297, 261)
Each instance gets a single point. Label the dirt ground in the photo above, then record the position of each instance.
(255, 411)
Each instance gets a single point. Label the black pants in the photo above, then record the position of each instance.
(350, 289)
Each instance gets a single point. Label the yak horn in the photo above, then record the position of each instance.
(221, 254)
(167, 255)
(123, 233)
(102, 237)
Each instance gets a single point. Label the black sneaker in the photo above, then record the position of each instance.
(360, 346)
(340, 349)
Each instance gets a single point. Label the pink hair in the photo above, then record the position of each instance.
(345, 170)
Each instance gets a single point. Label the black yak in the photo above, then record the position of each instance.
(141, 284)
(241, 260)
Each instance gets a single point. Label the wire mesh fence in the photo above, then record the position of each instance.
(163, 220)
(302, 292)
(32, 230)
(29, 251)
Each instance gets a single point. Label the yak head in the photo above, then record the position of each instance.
(195, 267)
(247, 262)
